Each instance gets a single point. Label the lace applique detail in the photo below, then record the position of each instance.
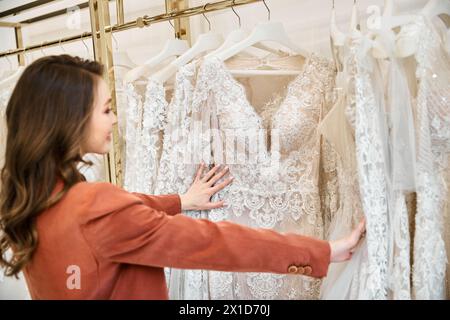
(221, 284)
(372, 177)
(132, 179)
(329, 186)
(154, 121)
(265, 286)
(350, 110)
(433, 148)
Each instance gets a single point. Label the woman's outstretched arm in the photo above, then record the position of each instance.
(128, 231)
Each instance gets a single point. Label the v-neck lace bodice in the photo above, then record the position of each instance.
(293, 123)
(291, 111)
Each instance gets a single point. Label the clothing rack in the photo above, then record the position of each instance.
(138, 23)
(101, 31)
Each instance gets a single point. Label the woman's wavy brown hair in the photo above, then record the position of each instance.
(47, 117)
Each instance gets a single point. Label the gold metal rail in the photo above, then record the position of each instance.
(138, 23)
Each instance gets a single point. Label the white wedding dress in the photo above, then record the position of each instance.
(384, 136)
(338, 129)
(433, 149)
(402, 146)
(370, 260)
(174, 174)
(143, 105)
(276, 178)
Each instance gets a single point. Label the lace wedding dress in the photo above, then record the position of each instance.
(384, 132)
(433, 148)
(176, 175)
(133, 95)
(398, 152)
(337, 128)
(272, 150)
(144, 106)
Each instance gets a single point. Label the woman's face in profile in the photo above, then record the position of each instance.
(98, 136)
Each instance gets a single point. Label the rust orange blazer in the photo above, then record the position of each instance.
(101, 242)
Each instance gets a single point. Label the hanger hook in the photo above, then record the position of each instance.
(268, 9)
(204, 15)
(332, 4)
(82, 40)
(173, 27)
(171, 23)
(234, 11)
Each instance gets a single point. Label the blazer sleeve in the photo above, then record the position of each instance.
(170, 204)
(134, 233)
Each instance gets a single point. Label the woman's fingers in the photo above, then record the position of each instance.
(362, 227)
(199, 171)
(210, 173)
(221, 185)
(357, 233)
(217, 177)
(215, 205)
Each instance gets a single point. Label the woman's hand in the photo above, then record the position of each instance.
(342, 249)
(198, 197)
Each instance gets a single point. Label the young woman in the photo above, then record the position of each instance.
(79, 240)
